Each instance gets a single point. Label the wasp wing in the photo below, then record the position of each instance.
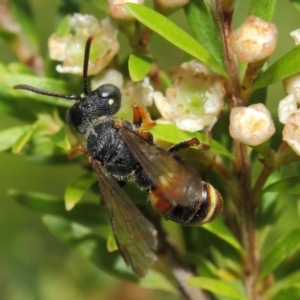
(177, 179)
(134, 234)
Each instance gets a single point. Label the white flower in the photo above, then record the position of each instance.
(69, 49)
(117, 10)
(286, 107)
(111, 76)
(251, 125)
(135, 93)
(291, 131)
(254, 40)
(194, 100)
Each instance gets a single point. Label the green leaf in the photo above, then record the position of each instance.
(61, 140)
(8, 137)
(174, 34)
(218, 228)
(139, 65)
(289, 185)
(111, 243)
(292, 292)
(282, 284)
(47, 84)
(205, 28)
(19, 68)
(296, 3)
(216, 286)
(24, 139)
(77, 188)
(87, 213)
(171, 134)
(286, 66)
(281, 249)
(65, 7)
(263, 9)
(91, 245)
(23, 14)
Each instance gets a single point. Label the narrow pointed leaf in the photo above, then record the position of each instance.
(281, 284)
(24, 139)
(24, 16)
(139, 65)
(286, 66)
(170, 133)
(8, 137)
(77, 188)
(290, 293)
(205, 28)
(91, 245)
(88, 213)
(61, 140)
(218, 287)
(263, 9)
(47, 84)
(282, 249)
(218, 228)
(296, 3)
(174, 34)
(289, 185)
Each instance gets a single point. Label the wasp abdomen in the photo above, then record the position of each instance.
(203, 209)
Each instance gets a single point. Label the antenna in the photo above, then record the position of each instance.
(86, 64)
(59, 95)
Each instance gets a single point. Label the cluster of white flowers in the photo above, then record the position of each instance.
(196, 97)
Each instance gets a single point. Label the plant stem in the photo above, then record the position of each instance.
(246, 209)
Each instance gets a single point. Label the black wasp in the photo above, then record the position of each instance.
(119, 150)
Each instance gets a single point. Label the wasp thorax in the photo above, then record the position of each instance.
(104, 101)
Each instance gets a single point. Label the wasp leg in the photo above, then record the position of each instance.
(189, 143)
(141, 118)
(77, 150)
(193, 142)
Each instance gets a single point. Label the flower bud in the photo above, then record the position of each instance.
(286, 107)
(167, 7)
(117, 10)
(194, 100)
(291, 132)
(292, 86)
(251, 125)
(69, 48)
(254, 40)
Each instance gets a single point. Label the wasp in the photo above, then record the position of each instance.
(119, 150)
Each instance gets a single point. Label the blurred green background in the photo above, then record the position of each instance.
(33, 264)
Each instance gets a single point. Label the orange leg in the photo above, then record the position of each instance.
(76, 150)
(141, 118)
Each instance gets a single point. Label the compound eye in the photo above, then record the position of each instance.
(110, 93)
(109, 96)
